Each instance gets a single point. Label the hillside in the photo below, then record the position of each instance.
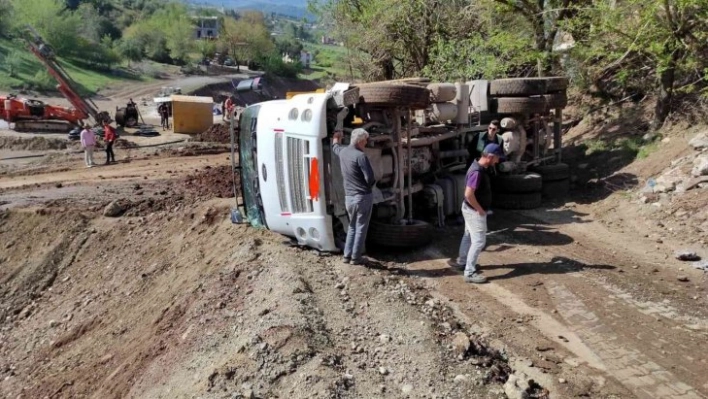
(29, 73)
(294, 8)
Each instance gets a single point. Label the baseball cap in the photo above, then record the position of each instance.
(493, 149)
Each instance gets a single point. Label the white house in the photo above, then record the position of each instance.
(206, 27)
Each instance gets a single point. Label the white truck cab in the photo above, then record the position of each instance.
(284, 174)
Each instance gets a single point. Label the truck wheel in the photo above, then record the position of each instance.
(556, 100)
(556, 188)
(517, 87)
(521, 105)
(416, 234)
(394, 95)
(559, 171)
(526, 183)
(516, 200)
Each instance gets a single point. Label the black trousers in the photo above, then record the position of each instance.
(110, 156)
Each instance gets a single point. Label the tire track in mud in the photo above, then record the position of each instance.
(24, 284)
(644, 377)
(619, 354)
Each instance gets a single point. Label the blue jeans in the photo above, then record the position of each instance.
(359, 211)
(474, 239)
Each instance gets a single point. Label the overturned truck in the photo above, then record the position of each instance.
(422, 135)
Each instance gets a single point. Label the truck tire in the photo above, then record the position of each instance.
(556, 84)
(516, 200)
(416, 234)
(514, 87)
(556, 188)
(556, 100)
(526, 183)
(394, 95)
(120, 117)
(521, 105)
(559, 171)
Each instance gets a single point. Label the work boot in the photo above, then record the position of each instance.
(475, 278)
(346, 260)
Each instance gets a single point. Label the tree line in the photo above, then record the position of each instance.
(613, 49)
(100, 34)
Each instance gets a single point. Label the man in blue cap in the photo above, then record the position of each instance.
(478, 199)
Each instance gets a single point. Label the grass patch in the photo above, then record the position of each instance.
(329, 63)
(27, 69)
(595, 146)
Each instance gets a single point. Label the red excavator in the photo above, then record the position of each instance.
(33, 115)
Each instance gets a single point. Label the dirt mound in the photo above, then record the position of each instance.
(272, 87)
(212, 183)
(34, 144)
(131, 306)
(218, 133)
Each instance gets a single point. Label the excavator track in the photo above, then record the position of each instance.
(43, 126)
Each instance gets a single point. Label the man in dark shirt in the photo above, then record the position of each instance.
(478, 199)
(359, 200)
(491, 136)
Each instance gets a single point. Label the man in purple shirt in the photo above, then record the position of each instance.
(478, 199)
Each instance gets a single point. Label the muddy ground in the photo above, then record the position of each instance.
(169, 299)
(172, 300)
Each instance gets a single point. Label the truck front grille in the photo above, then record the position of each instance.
(298, 174)
(280, 173)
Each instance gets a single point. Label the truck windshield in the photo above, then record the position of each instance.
(248, 158)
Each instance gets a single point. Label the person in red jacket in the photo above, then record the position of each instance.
(109, 136)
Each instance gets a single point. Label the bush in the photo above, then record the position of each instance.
(42, 81)
(275, 65)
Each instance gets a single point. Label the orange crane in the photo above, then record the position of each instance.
(34, 115)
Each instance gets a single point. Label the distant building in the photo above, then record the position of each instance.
(305, 58)
(206, 27)
(330, 41)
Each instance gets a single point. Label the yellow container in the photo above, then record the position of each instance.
(192, 114)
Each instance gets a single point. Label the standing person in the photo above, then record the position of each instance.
(491, 136)
(478, 199)
(223, 109)
(109, 136)
(358, 181)
(162, 110)
(88, 141)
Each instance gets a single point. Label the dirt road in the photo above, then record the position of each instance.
(175, 301)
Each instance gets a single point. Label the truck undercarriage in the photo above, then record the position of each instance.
(422, 137)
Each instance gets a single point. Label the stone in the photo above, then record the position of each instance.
(461, 378)
(384, 339)
(688, 256)
(114, 209)
(383, 371)
(53, 323)
(407, 388)
(700, 166)
(699, 141)
(460, 344)
(513, 390)
(682, 278)
(562, 380)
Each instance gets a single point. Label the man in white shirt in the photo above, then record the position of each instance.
(88, 141)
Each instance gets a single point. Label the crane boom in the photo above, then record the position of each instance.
(66, 85)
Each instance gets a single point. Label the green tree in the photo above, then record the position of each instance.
(130, 49)
(624, 44)
(247, 38)
(13, 63)
(395, 39)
